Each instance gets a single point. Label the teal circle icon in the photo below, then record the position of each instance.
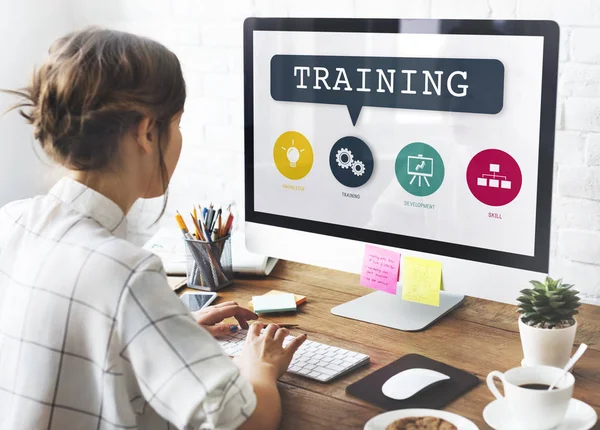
(419, 169)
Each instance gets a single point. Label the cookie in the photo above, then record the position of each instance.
(421, 423)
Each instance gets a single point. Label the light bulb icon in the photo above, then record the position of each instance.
(293, 155)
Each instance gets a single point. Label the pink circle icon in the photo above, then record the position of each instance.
(494, 177)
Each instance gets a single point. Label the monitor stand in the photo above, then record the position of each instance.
(391, 311)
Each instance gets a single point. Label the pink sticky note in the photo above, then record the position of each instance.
(380, 269)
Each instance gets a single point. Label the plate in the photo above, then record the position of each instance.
(580, 416)
(380, 422)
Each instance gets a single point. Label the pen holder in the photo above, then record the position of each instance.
(208, 264)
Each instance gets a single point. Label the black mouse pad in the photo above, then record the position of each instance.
(434, 397)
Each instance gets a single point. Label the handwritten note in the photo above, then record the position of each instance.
(422, 281)
(380, 269)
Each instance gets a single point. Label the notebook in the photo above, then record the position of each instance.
(168, 244)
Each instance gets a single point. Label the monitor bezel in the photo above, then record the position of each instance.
(549, 30)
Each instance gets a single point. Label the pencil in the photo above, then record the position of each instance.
(229, 225)
(197, 227)
(182, 226)
(206, 232)
(227, 221)
(219, 223)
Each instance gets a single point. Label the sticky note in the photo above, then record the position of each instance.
(274, 303)
(380, 269)
(299, 299)
(421, 281)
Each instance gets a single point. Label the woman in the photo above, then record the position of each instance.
(91, 336)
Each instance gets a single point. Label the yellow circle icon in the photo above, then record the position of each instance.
(293, 155)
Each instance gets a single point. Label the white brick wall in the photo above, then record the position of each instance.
(593, 150)
(584, 45)
(207, 36)
(582, 113)
(580, 246)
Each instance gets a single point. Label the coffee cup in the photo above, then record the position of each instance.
(527, 398)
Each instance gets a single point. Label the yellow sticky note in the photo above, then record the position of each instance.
(421, 281)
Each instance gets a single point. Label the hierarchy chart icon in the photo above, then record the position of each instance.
(351, 161)
(494, 177)
(293, 155)
(419, 169)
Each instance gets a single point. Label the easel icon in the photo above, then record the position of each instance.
(420, 167)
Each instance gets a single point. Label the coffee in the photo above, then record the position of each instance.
(528, 400)
(536, 386)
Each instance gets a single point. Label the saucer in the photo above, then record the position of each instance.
(381, 421)
(580, 416)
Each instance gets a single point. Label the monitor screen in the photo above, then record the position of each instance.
(428, 135)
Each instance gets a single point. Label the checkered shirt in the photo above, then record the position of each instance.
(91, 336)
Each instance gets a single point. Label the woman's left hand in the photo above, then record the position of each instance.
(210, 318)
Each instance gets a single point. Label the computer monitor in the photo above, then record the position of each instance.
(434, 138)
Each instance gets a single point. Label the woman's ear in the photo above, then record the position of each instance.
(145, 135)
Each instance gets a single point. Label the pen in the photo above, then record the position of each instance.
(287, 325)
(205, 230)
(209, 219)
(280, 325)
(219, 222)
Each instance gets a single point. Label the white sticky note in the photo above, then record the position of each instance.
(274, 303)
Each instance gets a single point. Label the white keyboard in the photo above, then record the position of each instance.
(313, 360)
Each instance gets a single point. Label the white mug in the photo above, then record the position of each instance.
(529, 408)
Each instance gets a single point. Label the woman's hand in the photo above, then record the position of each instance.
(264, 355)
(210, 318)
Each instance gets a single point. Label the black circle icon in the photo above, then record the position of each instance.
(351, 161)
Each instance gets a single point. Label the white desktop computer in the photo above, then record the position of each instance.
(432, 138)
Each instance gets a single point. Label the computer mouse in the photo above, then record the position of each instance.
(409, 382)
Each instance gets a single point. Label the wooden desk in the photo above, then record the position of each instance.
(479, 337)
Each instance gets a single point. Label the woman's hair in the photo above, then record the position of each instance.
(95, 86)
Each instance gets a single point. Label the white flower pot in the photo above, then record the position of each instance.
(548, 347)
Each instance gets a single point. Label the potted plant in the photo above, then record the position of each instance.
(547, 324)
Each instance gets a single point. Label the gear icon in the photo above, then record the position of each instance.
(358, 168)
(344, 158)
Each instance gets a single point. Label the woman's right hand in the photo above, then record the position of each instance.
(264, 355)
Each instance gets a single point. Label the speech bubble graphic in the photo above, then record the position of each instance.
(438, 84)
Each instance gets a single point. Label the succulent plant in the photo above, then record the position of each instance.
(551, 304)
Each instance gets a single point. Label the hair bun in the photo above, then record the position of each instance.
(93, 88)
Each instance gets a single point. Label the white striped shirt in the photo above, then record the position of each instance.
(91, 336)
